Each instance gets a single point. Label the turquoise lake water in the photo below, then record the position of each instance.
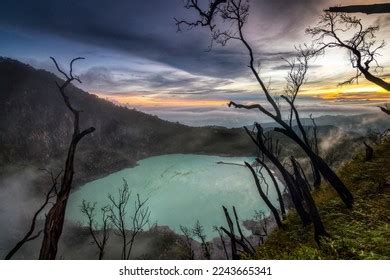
(181, 190)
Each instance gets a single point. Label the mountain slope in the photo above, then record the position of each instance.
(358, 233)
(36, 128)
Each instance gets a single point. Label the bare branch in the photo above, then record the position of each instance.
(29, 235)
(198, 231)
(362, 46)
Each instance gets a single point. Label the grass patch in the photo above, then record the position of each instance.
(359, 233)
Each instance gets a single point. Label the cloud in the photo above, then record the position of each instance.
(147, 29)
(152, 59)
(172, 81)
(140, 28)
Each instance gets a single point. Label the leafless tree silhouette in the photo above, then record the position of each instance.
(302, 182)
(366, 9)
(315, 136)
(29, 235)
(118, 217)
(198, 232)
(187, 242)
(264, 197)
(339, 30)
(222, 239)
(206, 17)
(262, 226)
(262, 165)
(100, 232)
(55, 218)
(369, 152)
(385, 109)
(260, 140)
(234, 14)
(237, 242)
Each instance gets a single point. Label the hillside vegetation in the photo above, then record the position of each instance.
(360, 233)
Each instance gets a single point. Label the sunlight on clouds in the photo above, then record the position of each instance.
(356, 92)
(150, 101)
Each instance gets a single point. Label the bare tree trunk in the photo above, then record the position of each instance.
(316, 172)
(188, 241)
(223, 244)
(374, 79)
(199, 232)
(55, 218)
(242, 237)
(274, 211)
(369, 152)
(323, 167)
(279, 193)
(293, 191)
(88, 210)
(366, 9)
(233, 245)
(241, 241)
(319, 229)
(385, 109)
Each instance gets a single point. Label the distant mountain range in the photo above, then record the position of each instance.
(359, 124)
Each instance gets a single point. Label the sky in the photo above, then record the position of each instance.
(135, 56)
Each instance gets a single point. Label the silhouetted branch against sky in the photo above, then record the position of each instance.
(137, 57)
(382, 8)
(336, 30)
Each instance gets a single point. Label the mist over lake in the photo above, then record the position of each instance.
(182, 188)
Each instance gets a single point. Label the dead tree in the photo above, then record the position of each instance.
(118, 217)
(296, 78)
(237, 241)
(235, 13)
(262, 226)
(273, 179)
(259, 140)
(243, 239)
(339, 30)
(140, 219)
(29, 234)
(222, 239)
(264, 197)
(188, 242)
(315, 148)
(55, 218)
(276, 185)
(369, 152)
(366, 9)
(385, 109)
(315, 135)
(198, 231)
(302, 182)
(100, 233)
(231, 234)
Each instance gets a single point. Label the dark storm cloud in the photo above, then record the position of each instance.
(146, 29)
(141, 28)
